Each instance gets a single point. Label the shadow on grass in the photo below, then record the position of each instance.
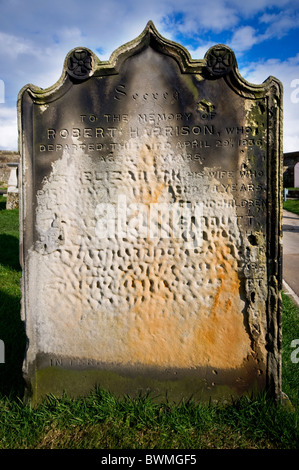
(9, 253)
(12, 333)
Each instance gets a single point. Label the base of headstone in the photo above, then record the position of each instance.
(12, 201)
(60, 376)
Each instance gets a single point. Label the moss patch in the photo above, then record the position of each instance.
(79, 383)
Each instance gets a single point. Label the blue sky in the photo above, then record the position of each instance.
(36, 35)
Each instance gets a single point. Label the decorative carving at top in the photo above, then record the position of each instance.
(80, 64)
(220, 60)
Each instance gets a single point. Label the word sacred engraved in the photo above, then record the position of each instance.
(164, 96)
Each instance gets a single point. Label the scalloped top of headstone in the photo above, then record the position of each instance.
(219, 62)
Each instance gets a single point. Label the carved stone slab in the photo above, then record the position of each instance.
(151, 225)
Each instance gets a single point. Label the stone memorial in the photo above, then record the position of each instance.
(12, 201)
(150, 215)
(296, 175)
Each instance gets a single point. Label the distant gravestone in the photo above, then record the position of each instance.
(151, 226)
(296, 175)
(12, 201)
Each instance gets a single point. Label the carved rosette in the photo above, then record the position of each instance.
(80, 64)
(220, 60)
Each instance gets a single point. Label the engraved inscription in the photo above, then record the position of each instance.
(148, 238)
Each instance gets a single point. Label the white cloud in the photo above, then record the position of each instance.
(196, 17)
(280, 23)
(8, 128)
(252, 7)
(201, 50)
(199, 16)
(244, 38)
(13, 46)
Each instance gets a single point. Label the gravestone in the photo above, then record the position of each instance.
(5, 171)
(12, 201)
(151, 226)
(296, 175)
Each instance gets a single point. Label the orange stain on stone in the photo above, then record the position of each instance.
(222, 335)
(170, 335)
(167, 333)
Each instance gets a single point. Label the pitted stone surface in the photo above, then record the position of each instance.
(147, 243)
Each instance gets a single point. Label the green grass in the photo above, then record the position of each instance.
(11, 327)
(291, 205)
(100, 421)
(290, 331)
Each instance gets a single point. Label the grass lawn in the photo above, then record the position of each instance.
(291, 205)
(101, 421)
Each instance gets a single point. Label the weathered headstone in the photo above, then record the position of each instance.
(12, 201)
(150, 225)
(296, 175)
(5, 158)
